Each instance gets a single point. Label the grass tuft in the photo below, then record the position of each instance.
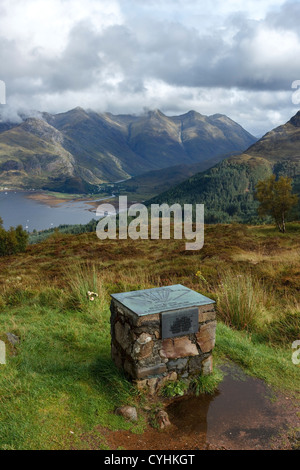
(241, 300)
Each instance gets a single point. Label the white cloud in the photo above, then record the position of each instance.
(45, 24)
(236, 58)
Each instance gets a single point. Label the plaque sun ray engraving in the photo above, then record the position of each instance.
(161, 299)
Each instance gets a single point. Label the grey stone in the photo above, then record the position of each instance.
(123, 335)
(178, 364)
(128, 412)
(13, 339)
(156, 369)
(129, 368)
(195, 364)
(207, 366)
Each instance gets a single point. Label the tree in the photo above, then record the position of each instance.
(22, 238)
(13, 240)
(276, 199)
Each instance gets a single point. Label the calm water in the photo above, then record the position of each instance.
(241, 412)
(16, 208)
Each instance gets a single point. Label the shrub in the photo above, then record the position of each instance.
(173, 389)
(13, 240)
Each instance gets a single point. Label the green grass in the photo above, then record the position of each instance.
(61, 381)
(274, 365)
(60, 387)
(241, 300)
(208, 384)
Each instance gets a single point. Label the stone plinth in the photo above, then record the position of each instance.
(162, 334)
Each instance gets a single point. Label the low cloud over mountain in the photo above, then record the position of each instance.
(236, 58)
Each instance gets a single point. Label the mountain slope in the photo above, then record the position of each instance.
(227, 189)
(86, 148)
(151, 183)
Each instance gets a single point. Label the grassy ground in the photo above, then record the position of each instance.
(59, 382)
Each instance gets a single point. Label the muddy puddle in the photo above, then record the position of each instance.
(243, 414)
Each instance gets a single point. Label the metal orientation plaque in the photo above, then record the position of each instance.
(161, 299)
(179, 322)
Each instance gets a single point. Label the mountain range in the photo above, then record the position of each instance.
(78, 150)
(227, 189)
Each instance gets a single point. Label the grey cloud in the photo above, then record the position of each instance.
(116, 64)
(161, 50)
(287, 18)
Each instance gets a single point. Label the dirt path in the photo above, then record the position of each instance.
(243, 414)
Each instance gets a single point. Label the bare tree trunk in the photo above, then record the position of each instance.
(279, 226)
(283, 223)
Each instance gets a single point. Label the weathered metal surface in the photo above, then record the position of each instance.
(161, 299)
(179, 322)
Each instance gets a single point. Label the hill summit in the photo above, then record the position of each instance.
(78, 149)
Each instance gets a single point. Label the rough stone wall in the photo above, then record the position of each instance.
(138, 349)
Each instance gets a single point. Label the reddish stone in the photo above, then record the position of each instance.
(206, 336)
(162, 419)
(178, 347)
(206, 315)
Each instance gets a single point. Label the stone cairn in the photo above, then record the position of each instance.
(139, 348)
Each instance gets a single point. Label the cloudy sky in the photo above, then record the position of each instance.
(234, 57)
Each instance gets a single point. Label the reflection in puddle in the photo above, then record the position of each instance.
(240, 410)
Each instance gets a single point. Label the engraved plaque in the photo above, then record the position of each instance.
(161, 299)
(179, 322)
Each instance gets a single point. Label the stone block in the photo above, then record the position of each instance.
(206, 336)
(123, 335)
(129, 368)
(138, 322)
(128, 412)
(152, 384)
(143, 346)
(206, 315)
(143, 372)
(195, 364)
(177, 364)
(174, 348)
(207, 366)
